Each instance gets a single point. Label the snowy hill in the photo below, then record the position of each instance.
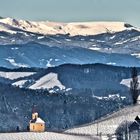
(108, 124)
(48, 81)
(44, 136)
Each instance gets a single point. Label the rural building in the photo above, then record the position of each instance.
(134, 129)
(36, 124)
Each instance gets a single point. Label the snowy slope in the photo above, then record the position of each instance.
(44, 136)
(47, 82)
(15, 75)
(108, 124)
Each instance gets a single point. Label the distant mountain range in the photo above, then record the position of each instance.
(47, 44)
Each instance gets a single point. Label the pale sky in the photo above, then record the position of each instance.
(73, 10)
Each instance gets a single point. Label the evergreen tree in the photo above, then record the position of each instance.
(134, 85)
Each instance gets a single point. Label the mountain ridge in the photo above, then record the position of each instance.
(71, 28)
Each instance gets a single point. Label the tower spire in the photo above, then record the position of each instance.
(34, 108)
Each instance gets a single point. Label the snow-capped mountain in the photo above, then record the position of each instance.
(46, 44)
(53, 28)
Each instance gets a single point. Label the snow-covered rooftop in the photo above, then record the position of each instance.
(39, 120)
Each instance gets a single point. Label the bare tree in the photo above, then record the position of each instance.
(134, 85)
(122, 132)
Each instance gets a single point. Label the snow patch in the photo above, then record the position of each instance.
(68, 40)
(20, 83)
(40, 37)
(110, 96)
(68, 89)
(111, 63)
(39, 120)
(95, 48)
(16, 48)
(113, 37)
(92, 40)
(56, 60)
(122, 42)
(49, 63)
(15, 75)
(12, 61)
(48, 81)
(136, 54)
(3, 37)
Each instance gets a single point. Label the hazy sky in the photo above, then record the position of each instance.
(73, 10)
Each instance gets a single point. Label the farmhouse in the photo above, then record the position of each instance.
(36, 124)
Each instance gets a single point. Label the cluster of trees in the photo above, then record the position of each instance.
(134, 85)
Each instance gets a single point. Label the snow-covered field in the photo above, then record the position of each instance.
(44, 136)
(48, 81)
(15, 75)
